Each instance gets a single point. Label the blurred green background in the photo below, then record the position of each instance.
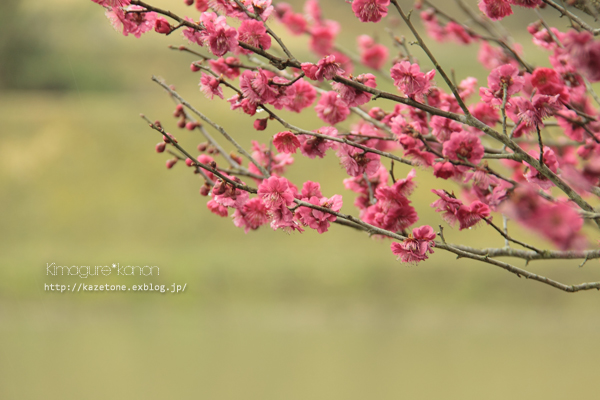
(265, 315)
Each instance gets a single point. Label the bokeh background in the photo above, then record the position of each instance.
(265, 315)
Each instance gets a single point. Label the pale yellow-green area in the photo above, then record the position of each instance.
(265, 315)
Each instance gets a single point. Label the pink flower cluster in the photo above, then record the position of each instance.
(433, 133)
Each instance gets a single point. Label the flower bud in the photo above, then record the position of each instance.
(189, 162)
(202, 147)
(160, 147)
(204, 190)
(171, 162)
(161, 25)
(260, 124)
(194, 67)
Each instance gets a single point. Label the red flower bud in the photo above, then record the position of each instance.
(162, 26)
(171, 162)
(204, 190)
(160, 147)
(189, 162)
(260, 124)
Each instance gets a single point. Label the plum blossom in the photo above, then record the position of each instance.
(134, 20)
(255, 87)
(370, 10)
(112, 3)
(276, 192)
(219, 36)
(472, 215)
(300, 95)
(357, 161)
(355, 97)
(504, 76)
(326, 68)
(448, 205)
(252, 215)
(209, 85)
(416, 246)
(463, 145)
(495, 9)
(312, 146)
(409, 79)
(372, 55)
(317, 219)
(254, 33)
(331, 108)
(286, 142)
(224, 66)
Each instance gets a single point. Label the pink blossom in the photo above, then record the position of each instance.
(223, 66)
(246, 105)
(531, 113)
(442, 127)
(254, 33)
(296, 23)
(463, 145)
(227, 195)
(433, 26)
(562, 225)
(161, 25)
(572, 125)
(370, 10)
(504, 76)
(420, 157)
(317, 219)
(322, 38)
(193, 35)
(547, 81)
(527, 3)
(201, 5)
(112, 3)
(495, 9)
(584, 53)
(357, 161)
(312, 9)
(416, 246)
(312, 146)
(409, 78)
(331, 108)
(252, 215)
(220, 37)
(326, 68)
(276, 192)
(286, 142)
(311, 189)
(493, 57)
(448, 205)
(444, 170)
(255, 87)
(209, 85)
(128, 22)
(550, 161)
(283, 218)
(470, 216)
(216, 208)
(301, 95)
(355, 97)
(458, 33)
(276, 162)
